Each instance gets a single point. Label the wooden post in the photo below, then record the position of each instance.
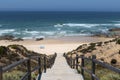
(77, 61)
(39, 70)
(67, 60)
(45, 64)
(71, 61)
(55, 54)
(54, 58)
(29, 69)
(64, 54)
(93, 66)
(82, 65)
(1, 75)
(51, 62)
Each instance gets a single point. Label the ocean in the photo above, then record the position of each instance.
(28, 25)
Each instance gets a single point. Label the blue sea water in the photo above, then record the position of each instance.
(57, 24)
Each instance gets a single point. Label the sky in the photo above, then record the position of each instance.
(59, 5)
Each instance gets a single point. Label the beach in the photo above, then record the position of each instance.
(52, 45)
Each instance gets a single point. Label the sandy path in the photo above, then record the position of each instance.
(61, 71)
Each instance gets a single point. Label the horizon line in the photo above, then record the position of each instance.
(51, 11)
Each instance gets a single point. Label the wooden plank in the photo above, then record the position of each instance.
(77, 61)
(82, 65)
(93, 66)
(1, 73)
(107, 66)
(29, 69)
(90, 72)
(9, 67)
(39, 70)
(25, 76)
(45, 66)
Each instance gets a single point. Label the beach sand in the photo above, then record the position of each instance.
(52, 45)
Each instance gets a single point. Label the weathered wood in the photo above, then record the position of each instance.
(45, 66)
(107, 66)
(28, 60)
(29, 69)
(90, 72)
(1, 75)
(25, 76)
(39, 64)
(93, 66)
(94, 62)
(77, 61)
(9, 67)
(82, 65)
(73, 63)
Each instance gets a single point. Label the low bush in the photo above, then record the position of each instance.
(99, 43)
(118, 41)
(3, 50)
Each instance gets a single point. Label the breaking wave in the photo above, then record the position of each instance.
(3, 31)
(84, 25)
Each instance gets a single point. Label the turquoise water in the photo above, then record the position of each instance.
(57, 24)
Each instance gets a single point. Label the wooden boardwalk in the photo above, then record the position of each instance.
(61, 71)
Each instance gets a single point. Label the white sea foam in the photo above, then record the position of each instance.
(118, 25)
(80, 25)
(103, 30)
(83, 25)
(58, 25)
(33, 37)
(39, 36)
(31, 32)
(6, 31)
(27, 37)
(62, 32)
(48, 32)
(105, 24)
(54, 33)
(79, 34)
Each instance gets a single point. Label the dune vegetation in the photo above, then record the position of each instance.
(14, 53)
(107, 52)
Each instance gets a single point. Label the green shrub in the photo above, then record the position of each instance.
(114, 40)
(99, 43)
(14, 75)
(118, 41)
(79, 47)
(93, 44)
(83, 51)
(106, 42)
(110, 76)
(119, 52)
(89, 48)
(3, 50)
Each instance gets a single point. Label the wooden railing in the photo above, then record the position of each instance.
(74, 63)
(28, 61)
